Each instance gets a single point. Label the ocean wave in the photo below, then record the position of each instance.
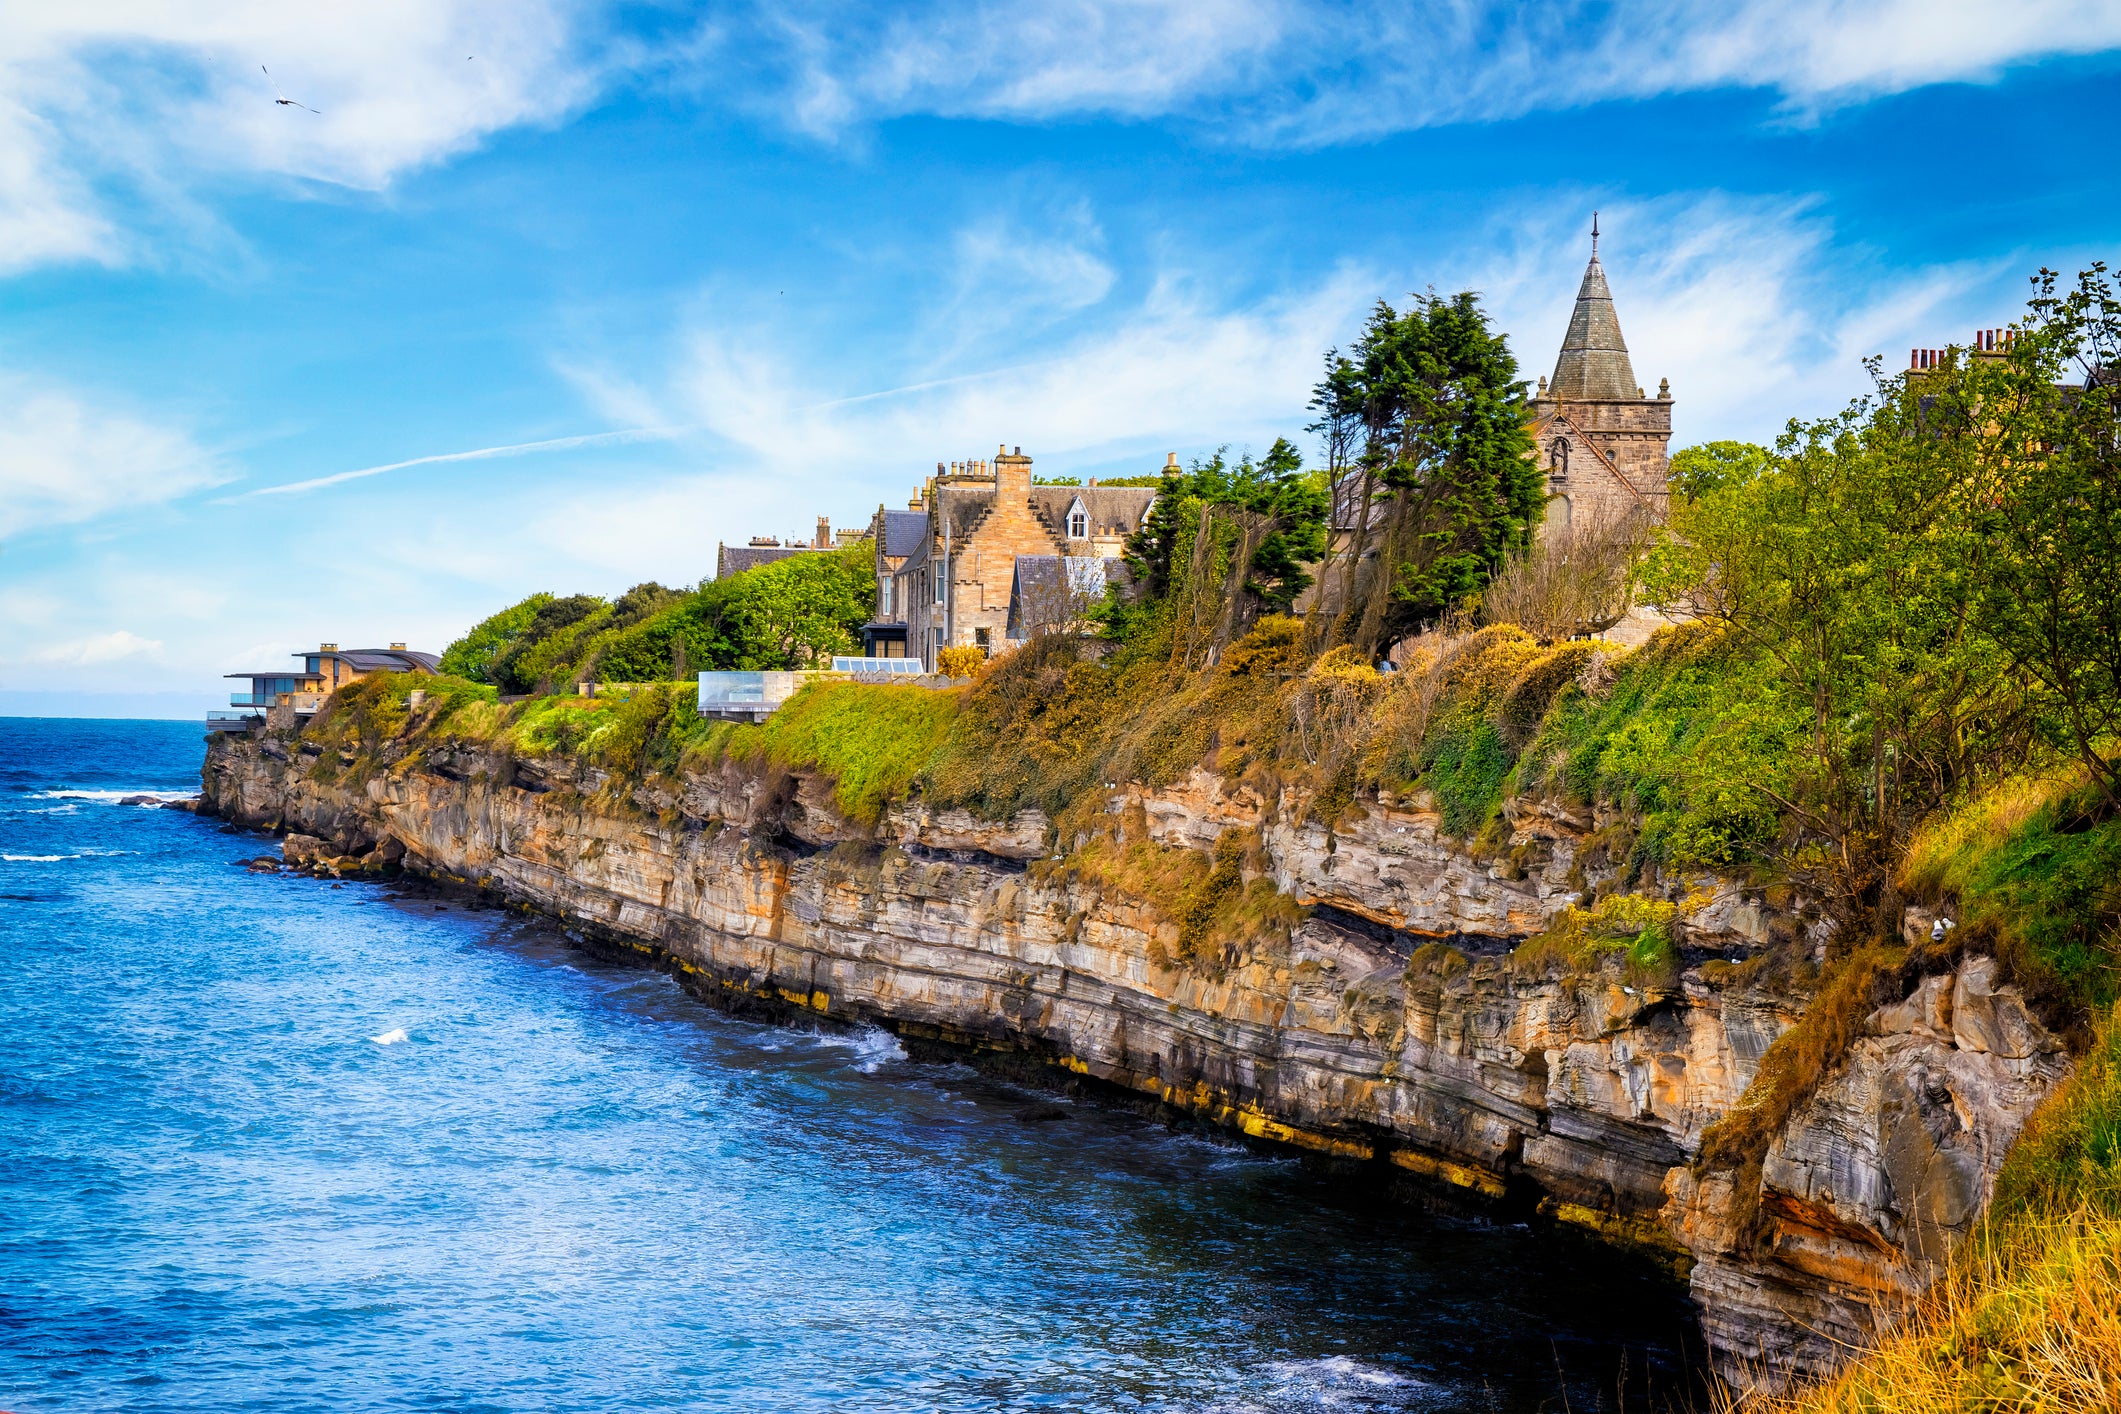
(56, 858)
(391, 1037)
(1339, 1374)
(113, 797)
(872, 1046)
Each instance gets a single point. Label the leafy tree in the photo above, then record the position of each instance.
(788, 614)
(472, 655)
(529, 663)
(1223, 544)
(1428, 454)
(2044, 415)
(1843, 571)
(1712, 466)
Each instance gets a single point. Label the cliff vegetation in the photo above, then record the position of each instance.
(1890, 691)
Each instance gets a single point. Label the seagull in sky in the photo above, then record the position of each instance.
(283, 100)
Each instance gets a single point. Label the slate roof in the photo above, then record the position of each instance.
(903, 533)
(735, 559)
(1037, 575)
(1111, 509)
(1594, 365)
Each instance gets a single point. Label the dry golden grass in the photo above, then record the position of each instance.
(2030, 1325)
(1792, 1068)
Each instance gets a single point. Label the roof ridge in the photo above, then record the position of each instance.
(1585, 437)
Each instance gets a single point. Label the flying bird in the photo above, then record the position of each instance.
(283, 100)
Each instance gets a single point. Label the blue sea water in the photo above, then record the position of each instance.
(276, 1143)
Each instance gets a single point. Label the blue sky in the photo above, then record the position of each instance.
(751, 265)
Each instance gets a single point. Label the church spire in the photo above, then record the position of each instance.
(1594, 365)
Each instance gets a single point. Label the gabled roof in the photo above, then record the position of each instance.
(1111, 509)
(1594, 365)
(1583, 440)
(1054, 585)
(904, 531)
(735, 559)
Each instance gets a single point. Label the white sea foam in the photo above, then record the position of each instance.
(55, 858)
(112, 797)
(872, 1046)
(1339, 1372)
(391, 1037)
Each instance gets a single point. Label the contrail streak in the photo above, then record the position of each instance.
(556, 444)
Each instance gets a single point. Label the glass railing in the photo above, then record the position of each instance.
(252, 699)
(900, 667)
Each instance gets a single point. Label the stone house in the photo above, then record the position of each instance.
(766, 549)
(946, 567)
(1603, 443)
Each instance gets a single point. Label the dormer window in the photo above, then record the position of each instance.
(1078, 522)
(1558, 460)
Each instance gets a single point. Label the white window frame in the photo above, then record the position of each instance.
(1078, 521)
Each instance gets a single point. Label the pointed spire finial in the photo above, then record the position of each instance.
(1594, 235)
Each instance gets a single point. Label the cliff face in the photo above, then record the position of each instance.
(1585, 1094)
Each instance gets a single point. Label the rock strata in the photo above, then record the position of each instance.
(1585, 1095)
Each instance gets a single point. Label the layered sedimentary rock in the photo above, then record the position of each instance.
(1585, 1095)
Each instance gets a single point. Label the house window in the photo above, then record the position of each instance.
(1558, 460)
(941, 588)
(883, 590)
(979, 639)
(1078, 523)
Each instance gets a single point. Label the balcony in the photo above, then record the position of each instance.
(252, 699)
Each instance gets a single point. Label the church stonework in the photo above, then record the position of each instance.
(1603, 443)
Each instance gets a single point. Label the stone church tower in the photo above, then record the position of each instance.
(1602, 442)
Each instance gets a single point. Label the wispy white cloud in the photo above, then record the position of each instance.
(1751, 306)
(1709, 288)
(116, 104)
(113, 647)
(114, 114)
(619, 438)
(64, 459)
(1284, 71)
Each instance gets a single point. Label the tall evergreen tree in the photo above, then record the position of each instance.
(1428, 452)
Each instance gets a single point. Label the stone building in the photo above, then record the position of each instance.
(946, 567)
(766, 549)
(1603, 443)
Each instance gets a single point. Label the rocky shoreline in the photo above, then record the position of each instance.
(1384, 1026)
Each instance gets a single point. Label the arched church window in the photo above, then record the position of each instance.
(1558, 460)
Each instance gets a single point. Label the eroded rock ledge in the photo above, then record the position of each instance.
(1586, 1095)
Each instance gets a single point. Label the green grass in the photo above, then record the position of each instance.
(2035, 864)
(1629, 928)
(873, 741)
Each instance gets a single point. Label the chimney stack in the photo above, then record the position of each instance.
(824, 534)
(1171, 467)
(1012, 474)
